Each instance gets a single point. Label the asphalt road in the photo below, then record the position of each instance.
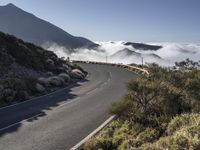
(60, 120)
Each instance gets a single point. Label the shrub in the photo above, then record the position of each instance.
(65, 76)
(120, 133)
(56, 81)
(40, 88)
(92, 144)
(43, 81)
(183, 133)
(156, 113)
(128, 144)
(17, 89)
(148, 135)
(30, 83)
(22, 95)
(119, 108)
(8, 95)
(182, 139)
(104, 139)
(181, 121)
(1, 91)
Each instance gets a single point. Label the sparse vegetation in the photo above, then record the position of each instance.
(159, 111)
(28, 70)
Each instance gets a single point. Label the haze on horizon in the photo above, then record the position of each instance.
(130, 20)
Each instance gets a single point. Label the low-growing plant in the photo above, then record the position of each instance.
(157, 112)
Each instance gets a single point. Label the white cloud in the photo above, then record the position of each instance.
(170, 53)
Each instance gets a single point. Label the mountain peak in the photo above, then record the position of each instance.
(9, 5)
(28, 27)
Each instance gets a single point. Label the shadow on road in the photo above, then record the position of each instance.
(11, 117)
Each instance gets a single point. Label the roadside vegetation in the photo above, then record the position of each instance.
(159, 111)
(27, 70)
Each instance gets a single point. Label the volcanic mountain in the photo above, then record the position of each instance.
(28, 27)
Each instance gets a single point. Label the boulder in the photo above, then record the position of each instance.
(78, 74)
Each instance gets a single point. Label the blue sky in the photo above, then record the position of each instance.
(129, 20)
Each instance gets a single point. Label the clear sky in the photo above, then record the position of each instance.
(129, 20)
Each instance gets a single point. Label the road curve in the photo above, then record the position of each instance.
(60, 120)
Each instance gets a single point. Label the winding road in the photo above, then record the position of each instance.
(59, 120)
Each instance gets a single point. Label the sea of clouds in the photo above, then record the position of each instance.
(169, 53)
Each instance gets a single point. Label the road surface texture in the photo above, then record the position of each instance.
(58, 121)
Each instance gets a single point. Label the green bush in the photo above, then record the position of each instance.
(121, 133)
(17, 89)
(182, 121)
(183, 134)
(148, 135)
(119, 108)
(157, 113)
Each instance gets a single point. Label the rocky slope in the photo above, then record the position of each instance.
(28, 70)
(28, 27)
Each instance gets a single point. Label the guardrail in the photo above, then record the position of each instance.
(128, 67)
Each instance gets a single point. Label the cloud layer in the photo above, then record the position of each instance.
(117, 52)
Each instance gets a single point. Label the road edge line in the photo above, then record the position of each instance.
(48, 94)
(78, 145)
(16, 123)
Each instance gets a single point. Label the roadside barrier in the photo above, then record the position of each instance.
(128, 67)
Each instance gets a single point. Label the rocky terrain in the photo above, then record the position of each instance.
(28, 70)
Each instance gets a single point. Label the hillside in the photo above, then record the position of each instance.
(28, 70)
(158, 112)
(28, 27)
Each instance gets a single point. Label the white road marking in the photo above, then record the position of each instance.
(61, 105)
(90, 92)
(110, 74)
(50, 95)
(12, 125)
(32, 99)
(78, 145)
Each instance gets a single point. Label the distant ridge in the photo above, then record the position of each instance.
(124, 53)
(141, 46)
(28, 27)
